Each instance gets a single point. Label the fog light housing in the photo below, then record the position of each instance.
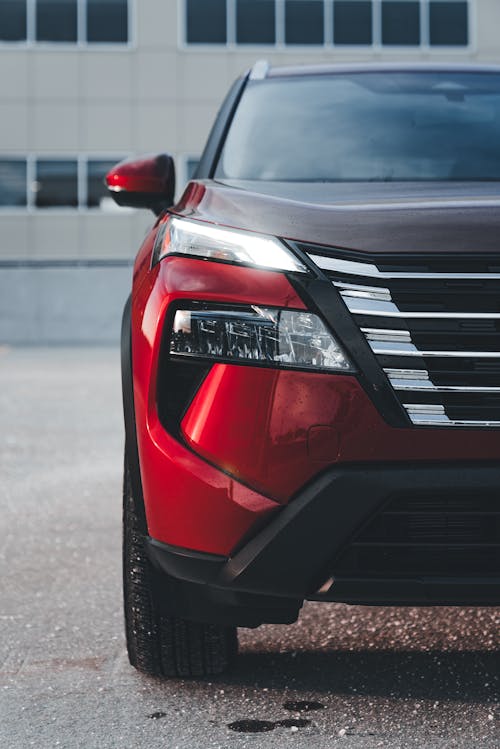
(257, 335)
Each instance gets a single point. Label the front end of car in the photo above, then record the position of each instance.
(311, 359)
(284, 453)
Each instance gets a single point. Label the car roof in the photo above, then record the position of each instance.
(262, 69)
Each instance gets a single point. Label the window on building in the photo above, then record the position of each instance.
(12, 20)
(401, 22)
(448, 23)
(255, 22)
(304, 20)
(352, 22)
(97, 192)
(65, 21)
(13, 182)
(406, 23)
(206, 21)
(56, 21)
(56, 183)
(191, 166)
(107, 21)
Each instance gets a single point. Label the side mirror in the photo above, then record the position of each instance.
(148, 182)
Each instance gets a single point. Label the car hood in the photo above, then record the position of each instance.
(369, 217)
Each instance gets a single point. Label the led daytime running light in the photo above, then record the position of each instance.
(197, 239)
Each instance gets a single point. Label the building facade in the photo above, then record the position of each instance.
(84, 83)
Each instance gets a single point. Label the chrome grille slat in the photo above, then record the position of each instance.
(428, 415)
(380, 308)
(350, 290)
(409, 374)
(411, 350)
(435, 317)
(352, 268)
(382, 334)
(418, 381)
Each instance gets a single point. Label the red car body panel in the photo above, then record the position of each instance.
(275, 430)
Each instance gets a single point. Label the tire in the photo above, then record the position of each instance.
(161, 645)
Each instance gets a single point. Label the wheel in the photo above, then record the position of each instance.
(162, 645)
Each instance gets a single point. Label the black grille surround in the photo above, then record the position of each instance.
(433, 324)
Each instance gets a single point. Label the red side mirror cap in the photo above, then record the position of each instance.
(148, 182)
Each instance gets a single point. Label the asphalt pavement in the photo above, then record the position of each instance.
(351, 677)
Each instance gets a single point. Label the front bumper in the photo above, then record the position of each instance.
(297, 554)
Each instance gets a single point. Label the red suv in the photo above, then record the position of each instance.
(311, 359)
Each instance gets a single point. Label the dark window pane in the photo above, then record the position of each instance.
(304, 22)
(255, 22)
(191, 167)
(56, 183)
(449, 24)
(96, 189)
(352, 22)
(13, 182)
(56, 20)
(12, 20)
(107, 21)
(206, 21)
(400, 23)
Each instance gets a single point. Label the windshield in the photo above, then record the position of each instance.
(390, 126)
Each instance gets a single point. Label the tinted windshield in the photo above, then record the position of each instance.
(390, 126)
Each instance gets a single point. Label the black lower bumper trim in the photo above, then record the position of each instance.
(291, 557)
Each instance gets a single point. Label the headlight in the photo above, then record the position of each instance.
(259, 335)
(181, 236)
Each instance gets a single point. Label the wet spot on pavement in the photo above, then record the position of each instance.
(261, 726)
(252, 726)
(293, 723)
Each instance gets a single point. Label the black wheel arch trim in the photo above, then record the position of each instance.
(131, 448)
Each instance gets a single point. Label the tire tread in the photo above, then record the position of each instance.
(162, 645)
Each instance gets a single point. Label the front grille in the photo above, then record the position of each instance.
(434, 325)
(448, 535)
